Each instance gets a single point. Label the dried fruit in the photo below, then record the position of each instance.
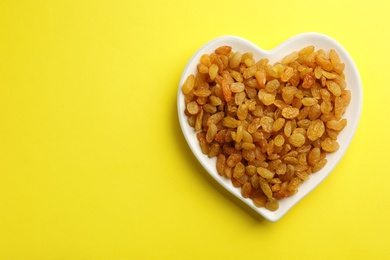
(272, 85)
(236, 60)
(333, 87)
(329, 145)
(230, 122)
(314, 156)
(246, 190)
(315, 130)
(193, 107)
(290, 112)
(237, 87)
(188, 84)
(223, 50)
(269, 125)
(272, 204)
(264, 185)
(297, 139)
(265, 173)
(239, 170)
(211, 133)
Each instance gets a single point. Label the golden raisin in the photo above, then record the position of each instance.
(297, 140)
(290, 112)
(329, 145)
(315, 130)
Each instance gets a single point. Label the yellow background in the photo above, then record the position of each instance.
(93, 164)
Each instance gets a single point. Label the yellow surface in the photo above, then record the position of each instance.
(93, 164)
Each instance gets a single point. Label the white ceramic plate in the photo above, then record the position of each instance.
(293, 44)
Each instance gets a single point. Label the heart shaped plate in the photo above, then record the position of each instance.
(319, 41)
